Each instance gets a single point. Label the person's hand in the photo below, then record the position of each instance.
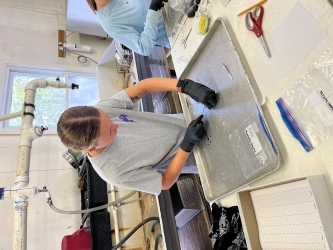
(156, 4)
(198, 92)
(194, 134)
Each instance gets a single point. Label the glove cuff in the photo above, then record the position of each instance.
(181, 84)
(154, 7)
(186, 146)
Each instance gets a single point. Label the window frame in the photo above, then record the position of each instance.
(7, 91)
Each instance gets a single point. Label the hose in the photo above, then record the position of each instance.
(132, 201)
(159, 236)
(85, 216)
(133, 231)
(49, 201)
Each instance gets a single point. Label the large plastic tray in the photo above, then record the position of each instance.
(228, 163)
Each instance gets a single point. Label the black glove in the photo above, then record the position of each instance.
(192, 10)
(194, 134)
(198, 92)
(156, 4)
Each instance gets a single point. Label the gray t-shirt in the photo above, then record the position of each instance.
(144, 142)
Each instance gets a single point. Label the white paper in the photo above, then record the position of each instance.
(253, 139)
(288, 217)
(289, 43)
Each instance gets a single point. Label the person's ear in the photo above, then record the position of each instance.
(89, 150)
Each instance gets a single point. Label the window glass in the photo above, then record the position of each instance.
(50, 102)
(87, 94)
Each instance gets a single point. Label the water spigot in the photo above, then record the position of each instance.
(43, 128)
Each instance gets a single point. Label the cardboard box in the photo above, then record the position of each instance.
(321, 196)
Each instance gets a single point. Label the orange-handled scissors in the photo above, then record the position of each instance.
(253, 22)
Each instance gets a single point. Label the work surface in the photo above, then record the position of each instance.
(296, 162)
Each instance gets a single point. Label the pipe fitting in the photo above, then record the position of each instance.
(18, 193)
(29, 134)
(58, 84)
(21, 181)
(36, 83)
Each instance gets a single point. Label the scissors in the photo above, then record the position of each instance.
(185, 40)
(253, 22)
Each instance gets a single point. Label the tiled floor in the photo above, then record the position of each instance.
(149, 209)
(192, 236)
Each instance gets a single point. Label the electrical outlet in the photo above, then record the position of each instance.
(61, 39)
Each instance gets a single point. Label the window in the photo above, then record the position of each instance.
(50, 102)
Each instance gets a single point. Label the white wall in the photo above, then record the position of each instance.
(28, 37)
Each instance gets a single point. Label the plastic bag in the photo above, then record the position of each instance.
(250, 145)
(307, 108)
(183, 6)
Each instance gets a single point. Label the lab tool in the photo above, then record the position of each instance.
(253, 6)
(225, 67)
(253, 22)
(203, 24)
(184, 41)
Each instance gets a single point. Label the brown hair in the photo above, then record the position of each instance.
(79, 127)
(92, 4)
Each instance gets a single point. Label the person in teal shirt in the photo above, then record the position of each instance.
(136, 24)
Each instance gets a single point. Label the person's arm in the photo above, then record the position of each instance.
(146, 86)
(142, 43)
(195, 90)
(172, 172)
(194, 134)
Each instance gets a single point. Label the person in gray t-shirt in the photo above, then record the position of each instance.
(132, 149)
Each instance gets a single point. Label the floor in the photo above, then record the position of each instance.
(149, 209)
(192, 236)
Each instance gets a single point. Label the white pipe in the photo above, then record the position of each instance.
(20, 197)
(16, 193)
(10, 116)
(58, 84)
(28, 132)
(115, 215)
(20, 224)
(21, 191)
(36, 83)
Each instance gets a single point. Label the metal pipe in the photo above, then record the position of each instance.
(115, 214)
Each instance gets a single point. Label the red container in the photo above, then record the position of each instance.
(80, 240)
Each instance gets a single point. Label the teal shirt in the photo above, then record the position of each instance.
(134, 25)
